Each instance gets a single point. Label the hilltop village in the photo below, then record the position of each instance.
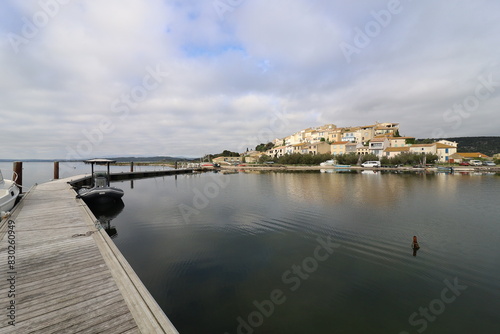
(378, 140)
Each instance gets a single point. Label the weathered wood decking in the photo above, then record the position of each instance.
(66, 283)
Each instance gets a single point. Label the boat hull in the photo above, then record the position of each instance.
(8, 195)
(100, 194)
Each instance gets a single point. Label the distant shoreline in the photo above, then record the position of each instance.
(315, 168)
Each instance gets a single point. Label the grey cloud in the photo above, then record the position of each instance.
(227, 78)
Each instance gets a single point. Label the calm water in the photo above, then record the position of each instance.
(40, 172)
(317, 253)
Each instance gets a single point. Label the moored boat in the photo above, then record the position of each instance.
(100, 191)
(9, 192)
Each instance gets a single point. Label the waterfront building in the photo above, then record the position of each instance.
(380, 139)
(339, 147)
(226, 160)
(400, 141)
(362, 149)
(465, 156)
(444, 151)
(391, 152)
(378, 145)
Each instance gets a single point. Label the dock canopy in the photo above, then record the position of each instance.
(99, 161)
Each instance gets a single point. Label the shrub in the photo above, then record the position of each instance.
(303, 159)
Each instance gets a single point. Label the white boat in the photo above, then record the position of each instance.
(9, 192)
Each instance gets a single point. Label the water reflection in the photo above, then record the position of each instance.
(207, 272)
(106, 213)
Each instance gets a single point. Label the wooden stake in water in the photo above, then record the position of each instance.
(56, 170)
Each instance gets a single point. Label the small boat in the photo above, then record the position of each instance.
(100, 191)
(445, 169)
(9, 192)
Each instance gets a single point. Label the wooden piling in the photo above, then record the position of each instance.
(176, 164)
(56, 170)
(131, 166)
(18, 173)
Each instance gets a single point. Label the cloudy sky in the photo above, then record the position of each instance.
(84, 79)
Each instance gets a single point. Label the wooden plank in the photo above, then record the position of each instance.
(67, 283)
(62, 299)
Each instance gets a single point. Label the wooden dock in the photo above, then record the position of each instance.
(68, 276)
(86, 179)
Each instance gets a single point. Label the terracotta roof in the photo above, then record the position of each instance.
(340, 142)
(473, 155)
(439, 145)
(397, 149)
(378, 139)
(392, 138)
(385, 127)
(423, 145)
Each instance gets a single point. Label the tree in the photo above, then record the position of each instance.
(303, 159)
(347, 159)
(227, 153)
(264, 147)
(424, 141)
(410, 141)
(431, 158)
(384, 161)
(396, 134)
(264, 158)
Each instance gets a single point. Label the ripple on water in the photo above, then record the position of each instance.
(237, 248)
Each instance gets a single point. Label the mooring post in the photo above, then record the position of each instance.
(175, 164)
(131, 166)
(18, 174)
(109, 174)
(56, 170)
